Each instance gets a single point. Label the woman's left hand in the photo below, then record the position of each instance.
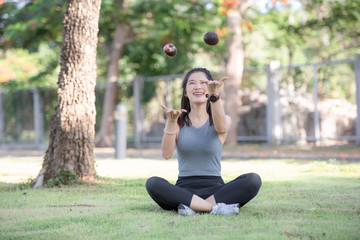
(214, 85)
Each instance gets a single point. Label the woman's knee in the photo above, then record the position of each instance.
(151, 183)
(254, 181)
(154, 184)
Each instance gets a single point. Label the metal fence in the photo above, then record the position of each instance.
(147, 130)
(25, 115)
(22, 118)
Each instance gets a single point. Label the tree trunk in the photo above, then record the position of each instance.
(72, 127)
(234, 65)
(104, 138)
(234, 69)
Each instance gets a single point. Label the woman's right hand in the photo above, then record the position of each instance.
(172, 114)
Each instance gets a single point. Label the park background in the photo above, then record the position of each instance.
(307, 50)
(314, 46)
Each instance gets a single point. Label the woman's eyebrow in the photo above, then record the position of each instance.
(194, 80)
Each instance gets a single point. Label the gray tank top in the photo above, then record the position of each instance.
(199, 151)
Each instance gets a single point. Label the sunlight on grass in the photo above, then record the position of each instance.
(22, 168)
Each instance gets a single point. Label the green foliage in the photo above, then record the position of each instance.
(153, 24)
(36, 22)
(62, 177)
(180, 22)
(29, 183)
(307, 31)
(31, 34)
(149, 91)
(24, 70)
(313, 31)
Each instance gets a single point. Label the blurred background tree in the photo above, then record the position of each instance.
(132, 36)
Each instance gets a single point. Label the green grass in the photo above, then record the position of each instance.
(298, 200)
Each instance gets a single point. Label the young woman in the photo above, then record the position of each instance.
(198, 131)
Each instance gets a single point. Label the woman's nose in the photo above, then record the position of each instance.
(198, 85)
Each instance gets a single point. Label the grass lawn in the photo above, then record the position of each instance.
(299, 199)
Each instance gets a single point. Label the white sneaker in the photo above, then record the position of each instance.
(186, 211)
(225, 209)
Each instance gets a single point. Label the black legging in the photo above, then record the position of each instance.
(168, 196)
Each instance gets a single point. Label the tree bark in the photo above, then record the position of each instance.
(104, 138)
(72, 127)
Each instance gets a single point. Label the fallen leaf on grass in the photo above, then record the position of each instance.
(288, 234)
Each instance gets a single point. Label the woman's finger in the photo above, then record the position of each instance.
(173, 111)
(164, 107)
(223, 79)
(178, 112)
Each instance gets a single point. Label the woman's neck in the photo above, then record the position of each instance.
(198, 113)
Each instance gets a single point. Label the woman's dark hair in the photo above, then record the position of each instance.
(185, 103)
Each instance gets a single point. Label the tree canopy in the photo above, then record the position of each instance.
(303, 31)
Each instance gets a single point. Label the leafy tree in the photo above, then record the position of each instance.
(36, 22)
(36, 27)
(122, 34)
(20, 69)
(234, 64)
(334, 25)
(138, 33)
(314, 31)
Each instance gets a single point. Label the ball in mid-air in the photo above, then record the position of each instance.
(211, 38)
(170, 49)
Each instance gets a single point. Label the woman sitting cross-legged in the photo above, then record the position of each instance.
(198, 131)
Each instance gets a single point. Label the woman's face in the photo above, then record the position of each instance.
(196, 89)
